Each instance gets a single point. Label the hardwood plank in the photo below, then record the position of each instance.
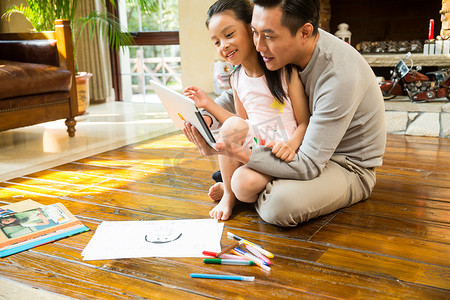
(413, 190)
(413, 164)
(382, 243)
(410, 141)
(389, 196)
(398, 269)
(424, 174)
(401, 211)
(409, 228)
(83, 282)
(196, 169)
(121, 180)
(149, 175)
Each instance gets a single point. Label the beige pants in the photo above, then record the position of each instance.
(289, 202)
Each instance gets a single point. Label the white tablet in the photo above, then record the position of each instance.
(180, 109)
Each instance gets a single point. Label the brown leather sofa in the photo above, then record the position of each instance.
(37, 78)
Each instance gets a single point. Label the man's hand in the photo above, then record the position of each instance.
(196, 138)
(224, 147)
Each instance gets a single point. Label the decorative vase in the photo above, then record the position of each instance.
(82, 81)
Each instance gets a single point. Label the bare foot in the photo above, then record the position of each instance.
(216, 191)
(223, 210)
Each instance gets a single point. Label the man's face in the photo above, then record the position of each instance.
(273, 40)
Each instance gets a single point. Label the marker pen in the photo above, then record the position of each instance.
(220, 261)
(251, 257)
(229, 256)
(260, 249)
(227, 277)
(256, 253)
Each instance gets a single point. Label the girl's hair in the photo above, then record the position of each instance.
(243, 10)
(16, 221)
(295, 13)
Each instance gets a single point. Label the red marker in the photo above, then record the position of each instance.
(229, 256)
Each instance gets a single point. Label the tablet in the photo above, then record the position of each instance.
(180, 109)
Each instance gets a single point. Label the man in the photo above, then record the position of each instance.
(346, 136)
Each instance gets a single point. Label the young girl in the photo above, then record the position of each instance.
(265, 113)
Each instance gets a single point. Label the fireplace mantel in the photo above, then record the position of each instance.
(390, 60)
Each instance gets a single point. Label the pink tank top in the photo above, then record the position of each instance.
(272, 120)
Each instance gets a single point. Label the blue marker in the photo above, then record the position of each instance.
(226, 277)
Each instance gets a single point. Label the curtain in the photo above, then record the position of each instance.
(93, 56)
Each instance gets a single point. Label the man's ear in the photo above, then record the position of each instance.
(306, 31)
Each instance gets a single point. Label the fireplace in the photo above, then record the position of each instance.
(382, 20)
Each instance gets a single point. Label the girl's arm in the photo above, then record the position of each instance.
(240, 110)
(202, 100)
(226, 101)
(301, 109)
(296, 92)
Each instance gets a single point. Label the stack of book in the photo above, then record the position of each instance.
(28, 224)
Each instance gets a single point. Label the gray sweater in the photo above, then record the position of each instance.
(347, 114)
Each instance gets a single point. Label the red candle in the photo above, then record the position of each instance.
(431, 29)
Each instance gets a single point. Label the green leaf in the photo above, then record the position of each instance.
(107, 24)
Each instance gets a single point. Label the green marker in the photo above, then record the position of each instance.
(221, 261)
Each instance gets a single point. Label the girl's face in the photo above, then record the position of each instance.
(232, 38)
(7, 220)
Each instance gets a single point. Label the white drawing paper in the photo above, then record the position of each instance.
(164, 238)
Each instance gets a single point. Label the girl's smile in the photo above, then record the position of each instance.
(231, 54)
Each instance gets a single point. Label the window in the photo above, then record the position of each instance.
(156, 54)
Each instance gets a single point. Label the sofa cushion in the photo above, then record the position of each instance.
(22, 79)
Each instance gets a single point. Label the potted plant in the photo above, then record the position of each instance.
(43, 13)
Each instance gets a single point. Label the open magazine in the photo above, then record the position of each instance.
(28, 224)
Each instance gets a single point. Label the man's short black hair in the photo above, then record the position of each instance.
(296, 13)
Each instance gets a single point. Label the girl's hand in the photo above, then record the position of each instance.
(282, 150)
(199, 96)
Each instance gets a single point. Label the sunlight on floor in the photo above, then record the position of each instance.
(105, 127)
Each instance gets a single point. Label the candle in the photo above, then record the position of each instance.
(431, 29)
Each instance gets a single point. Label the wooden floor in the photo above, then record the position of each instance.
(396, 244)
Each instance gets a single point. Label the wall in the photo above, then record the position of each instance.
(197, 50)
(18, 22)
